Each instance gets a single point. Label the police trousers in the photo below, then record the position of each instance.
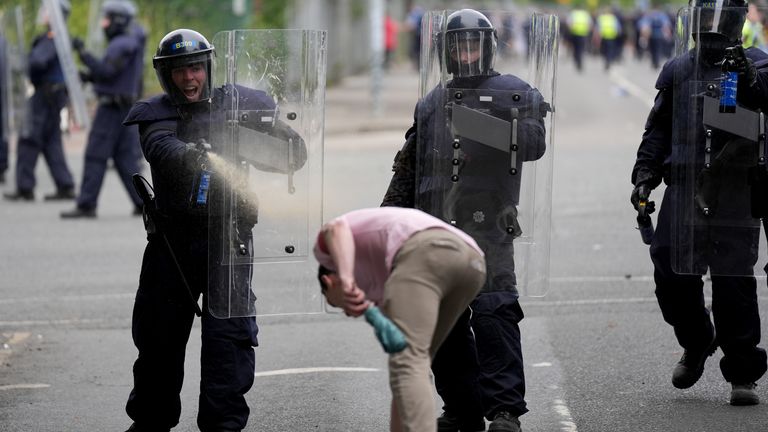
(479, 368)
(162, 321)
(734, 306)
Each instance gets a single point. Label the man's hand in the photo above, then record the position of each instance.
(639, 199)
(78, 45)
(345, 294)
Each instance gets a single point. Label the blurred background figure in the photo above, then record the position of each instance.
(579, 23)
(117, 81)
(42, 133)
(753, 33)
(607, 37)
(413, 25)
(655, 35)
(391, 29)
(3, 111)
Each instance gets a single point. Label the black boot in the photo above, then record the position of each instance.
(20, 195)
(691, 366)
(61, 194)
(78, 213)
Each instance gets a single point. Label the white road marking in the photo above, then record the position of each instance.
(23, 386)
(632, 88)
(297, 371)
(561, 409)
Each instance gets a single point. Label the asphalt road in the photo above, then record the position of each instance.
(598, 356)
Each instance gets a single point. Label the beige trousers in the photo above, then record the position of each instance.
(435, 276)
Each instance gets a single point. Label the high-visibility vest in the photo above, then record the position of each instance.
(608, 26)
(581, 22)
(752, 35)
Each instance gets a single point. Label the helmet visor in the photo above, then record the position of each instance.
(470, 53)
(716, 18)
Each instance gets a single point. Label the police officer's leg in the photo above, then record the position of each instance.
(227, 366)
(495, 322)
(162, 320)
(735, 309)
(456, 372)
(102, 141)
(126, 162)
(680, 297)
(30, 144)
(53, 148)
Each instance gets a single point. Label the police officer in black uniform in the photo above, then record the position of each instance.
(176, 266)
(3, 126)
(42, 134)
(117, 82)
(479, 368)
(736, 328)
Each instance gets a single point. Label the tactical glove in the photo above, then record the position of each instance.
(639, 199)
(738, 61)
(78, 45)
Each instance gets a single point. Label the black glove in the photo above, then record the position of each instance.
(196, 155)
(85, 76)
(736, 60)
(78, 45)
(639, 199)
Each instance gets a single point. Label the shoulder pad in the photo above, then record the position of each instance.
(667, 75)
(155, 108)
(505, 82)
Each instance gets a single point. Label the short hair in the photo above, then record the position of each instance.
(322, 271)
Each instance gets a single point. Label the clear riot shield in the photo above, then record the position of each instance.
(269, 132)
(95, 42)
(61, 40)
(718, 167)
(485, 151)
(14, 74)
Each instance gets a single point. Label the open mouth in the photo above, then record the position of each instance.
(191, 92)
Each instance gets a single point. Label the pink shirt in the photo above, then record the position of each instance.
(378, 234)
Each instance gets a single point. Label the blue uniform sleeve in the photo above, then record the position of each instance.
(119, 51)
(42, 55)
(656, 145)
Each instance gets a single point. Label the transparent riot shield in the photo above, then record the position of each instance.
(14, 74)
(267, 128)
(485, 150)
(95, 41)
(61, 40)
(718, 169)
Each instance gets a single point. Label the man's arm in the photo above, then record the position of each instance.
(340, 243)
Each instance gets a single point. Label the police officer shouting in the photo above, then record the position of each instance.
(699, 146)
(176, 261)
(477, 191)
(117, 82)
(42, 134)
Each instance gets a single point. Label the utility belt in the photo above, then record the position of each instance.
(119, 101)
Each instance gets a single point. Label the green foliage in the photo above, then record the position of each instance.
(161, 16)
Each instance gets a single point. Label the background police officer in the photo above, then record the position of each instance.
(176, 268)
(734, 299)
(495, 387)
(42, 134)
(117, 82)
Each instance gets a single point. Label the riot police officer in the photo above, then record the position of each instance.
(479, 369)
(117, 82)
(176, 266)
(705, 222)
(42, 134)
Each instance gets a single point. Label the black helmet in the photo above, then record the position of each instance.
(120, 13)
(469, 32)
(179, 48)
(718, 20)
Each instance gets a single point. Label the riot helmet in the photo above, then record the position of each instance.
(469, 45)
(718, 21)
(119, 14)
(180, 50)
